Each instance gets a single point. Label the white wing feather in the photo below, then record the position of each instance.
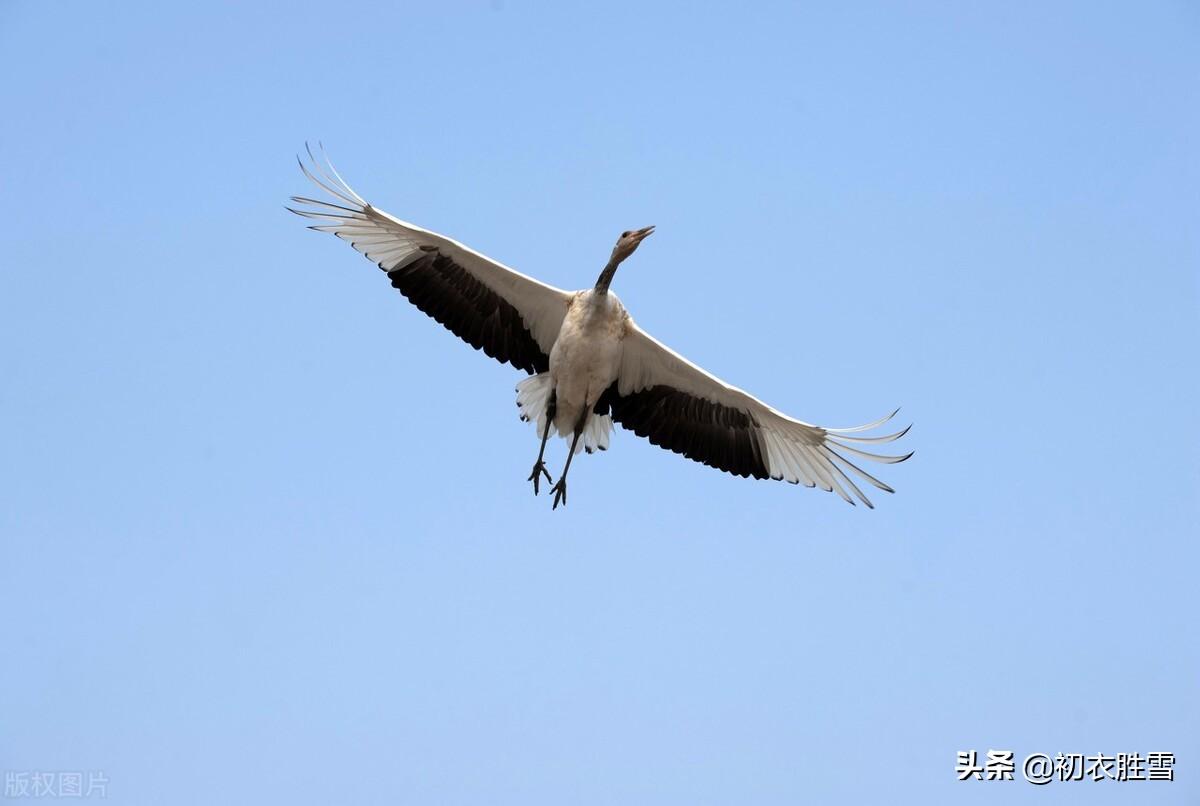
(798, 452)
(393, 243)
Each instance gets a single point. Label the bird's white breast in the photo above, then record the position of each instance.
(587, 354)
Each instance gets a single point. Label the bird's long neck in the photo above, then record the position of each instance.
(606, 276)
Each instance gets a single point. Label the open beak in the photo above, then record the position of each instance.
(642, 233)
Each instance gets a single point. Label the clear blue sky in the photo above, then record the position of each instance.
(266, 534)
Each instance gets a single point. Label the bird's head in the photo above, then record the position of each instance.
(629, 241)
(625, 247)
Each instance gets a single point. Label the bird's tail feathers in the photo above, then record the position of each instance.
(533, 393)
(596, 432)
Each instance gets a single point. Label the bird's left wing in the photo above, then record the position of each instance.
(662, 396)
(511, 317)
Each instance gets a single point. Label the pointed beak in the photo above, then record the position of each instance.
(643, 233)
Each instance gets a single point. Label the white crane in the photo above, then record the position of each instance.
(589, 364)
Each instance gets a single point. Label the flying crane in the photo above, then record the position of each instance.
(589, 364)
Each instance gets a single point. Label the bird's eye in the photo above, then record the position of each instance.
(625, 234)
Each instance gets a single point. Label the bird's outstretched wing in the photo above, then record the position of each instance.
(511, 317)
(675, 404)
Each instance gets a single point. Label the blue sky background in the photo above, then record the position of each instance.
(266, 535)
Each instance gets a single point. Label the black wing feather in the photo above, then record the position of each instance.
(450, 295)
(719, 436)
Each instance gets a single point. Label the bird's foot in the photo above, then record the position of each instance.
(539, 469)
(560, 493)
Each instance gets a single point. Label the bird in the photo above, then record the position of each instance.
(588, 363)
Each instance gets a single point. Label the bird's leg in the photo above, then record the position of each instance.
(539, 467)
(560, 489)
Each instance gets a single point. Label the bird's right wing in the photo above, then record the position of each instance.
(511, 317)
(661, 395)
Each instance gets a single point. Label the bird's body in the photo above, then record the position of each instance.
(586, 356)
(589, 364)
